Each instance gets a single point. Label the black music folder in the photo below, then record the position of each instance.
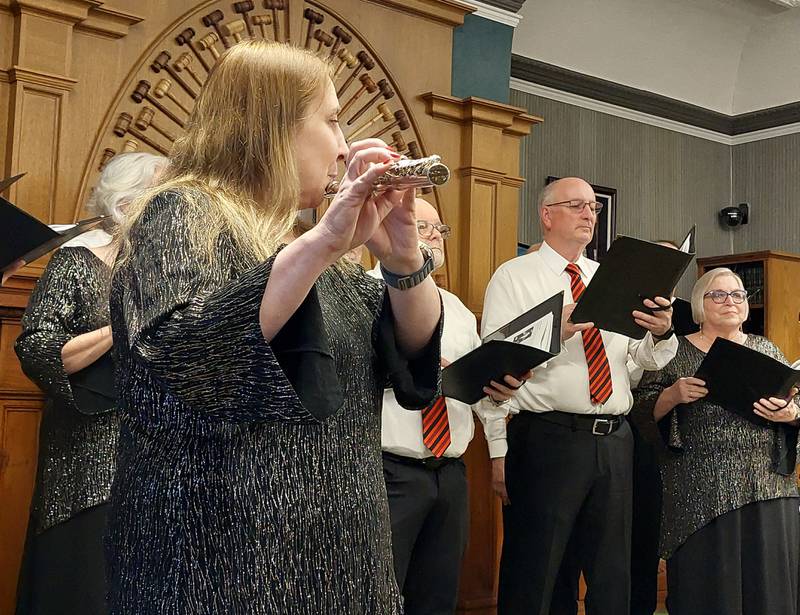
(23, 237)
(522, 344)
(93, 386)
(682, 320)
(736, 377)
(633, 270)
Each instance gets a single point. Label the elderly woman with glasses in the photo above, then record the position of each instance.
(730, 527)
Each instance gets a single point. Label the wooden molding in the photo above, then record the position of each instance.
(512, 120)
(70, 11)
(46, 81)
(449, 12)
(108, 22)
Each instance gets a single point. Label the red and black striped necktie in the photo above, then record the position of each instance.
(436, 427)
(599, 370)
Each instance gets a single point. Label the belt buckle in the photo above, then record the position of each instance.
(609, 427)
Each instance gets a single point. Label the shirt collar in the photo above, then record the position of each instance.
(558, 263)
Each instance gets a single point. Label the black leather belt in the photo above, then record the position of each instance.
(597, 424)
(429, 463)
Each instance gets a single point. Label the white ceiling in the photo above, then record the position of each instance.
(731, 56)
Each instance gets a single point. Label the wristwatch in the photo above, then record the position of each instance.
(404, 282)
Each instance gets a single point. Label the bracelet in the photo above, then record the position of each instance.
(496, 403)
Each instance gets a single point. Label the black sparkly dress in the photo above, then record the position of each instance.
(63, 569)
(250, 477)
(730, 529)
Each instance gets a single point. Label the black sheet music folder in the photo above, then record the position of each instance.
(737, 376)
(93, 386)
(23, 237)
(522, 344)
(633, 270)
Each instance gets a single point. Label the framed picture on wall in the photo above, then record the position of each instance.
(606, 228)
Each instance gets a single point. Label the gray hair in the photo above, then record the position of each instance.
(545, 194)
(124, 178)
(701, 287)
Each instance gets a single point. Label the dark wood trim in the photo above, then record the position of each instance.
(566, 80)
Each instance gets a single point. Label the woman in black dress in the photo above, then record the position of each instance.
(251, 375)
(730, 530)
(65, 330)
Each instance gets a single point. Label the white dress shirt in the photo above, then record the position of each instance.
(401, 432)
(563, 382)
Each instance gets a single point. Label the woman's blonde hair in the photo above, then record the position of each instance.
(701, 287)
(236, 158)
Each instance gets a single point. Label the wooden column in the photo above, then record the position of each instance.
(486, 232)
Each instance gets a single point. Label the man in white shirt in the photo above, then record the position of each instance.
(425, 477)
(568, 464)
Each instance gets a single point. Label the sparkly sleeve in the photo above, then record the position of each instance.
(666, 431)
(197, 330)
(46, 327)
(416, 382)
(785, 442)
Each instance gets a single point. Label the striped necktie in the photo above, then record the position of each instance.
(599, 370)
(436, 427)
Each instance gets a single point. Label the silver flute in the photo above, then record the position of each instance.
(405, 173)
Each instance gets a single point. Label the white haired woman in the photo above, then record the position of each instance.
(730, 530)
(65, 330)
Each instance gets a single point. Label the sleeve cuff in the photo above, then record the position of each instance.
(497, 448)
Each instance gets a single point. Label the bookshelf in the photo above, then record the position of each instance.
(771, 279)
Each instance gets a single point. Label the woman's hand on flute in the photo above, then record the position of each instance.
(355, 213)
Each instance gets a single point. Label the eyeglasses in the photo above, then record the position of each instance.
(720, 296)
(425, 229)
(577, 206)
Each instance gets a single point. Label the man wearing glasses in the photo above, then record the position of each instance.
(566, 456)
(425, 477)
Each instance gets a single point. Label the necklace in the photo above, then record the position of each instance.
(742, 336)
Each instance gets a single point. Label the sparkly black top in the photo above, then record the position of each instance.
(250, 478)
(712, 461)
(76, 450)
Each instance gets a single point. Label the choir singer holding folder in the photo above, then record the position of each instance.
(730, 530)
(566, 478)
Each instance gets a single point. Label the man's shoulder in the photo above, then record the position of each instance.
(526, 262)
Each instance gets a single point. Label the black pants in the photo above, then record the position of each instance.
(570, 495)
(645, 527)
(746, 562)
(430, 524)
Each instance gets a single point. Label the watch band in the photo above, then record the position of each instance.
(404, 282)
